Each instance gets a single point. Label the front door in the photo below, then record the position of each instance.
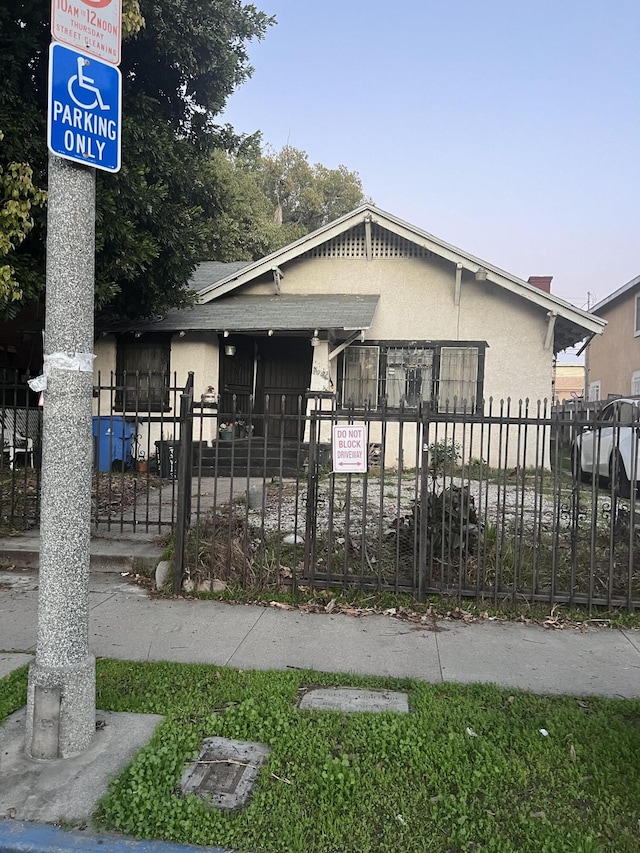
(284, 376)
(236, 377)
(281, 370)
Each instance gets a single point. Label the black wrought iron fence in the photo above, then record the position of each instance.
(20, 443)
(496, 505)
(513, 503)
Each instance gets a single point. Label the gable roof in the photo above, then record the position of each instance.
(621, 291)
(572, 324)
(210, 272)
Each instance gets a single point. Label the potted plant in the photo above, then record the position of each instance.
(225, 431)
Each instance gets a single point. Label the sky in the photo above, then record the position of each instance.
(508, 128)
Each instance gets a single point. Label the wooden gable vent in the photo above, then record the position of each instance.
(384, 244)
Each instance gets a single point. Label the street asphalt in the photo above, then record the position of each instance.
(125, 622)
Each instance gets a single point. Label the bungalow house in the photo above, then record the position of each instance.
(365, 308)
(613, 358)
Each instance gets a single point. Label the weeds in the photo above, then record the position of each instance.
(467, 769)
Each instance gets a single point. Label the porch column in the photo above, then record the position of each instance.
(320, 382)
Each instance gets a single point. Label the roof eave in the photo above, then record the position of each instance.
(285, 254)
(621, 291)
(421, 238)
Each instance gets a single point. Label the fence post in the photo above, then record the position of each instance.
(312, 495)
(423, 541)
(185, 463)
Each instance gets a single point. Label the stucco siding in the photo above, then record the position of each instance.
(417, 303)
(197, 352)
(614, 356)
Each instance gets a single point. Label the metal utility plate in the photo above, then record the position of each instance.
(352, 699)
(225, 772)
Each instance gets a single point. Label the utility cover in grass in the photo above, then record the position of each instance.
(225, 772)
(350, 699)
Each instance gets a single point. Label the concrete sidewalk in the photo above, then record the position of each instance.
(126, 623)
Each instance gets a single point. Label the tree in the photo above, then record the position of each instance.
(255, 203)
(189, 190)
(178, 70)
(238, 217)
(19, 200)
(305, 197)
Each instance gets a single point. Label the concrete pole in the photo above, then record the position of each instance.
(61, 696)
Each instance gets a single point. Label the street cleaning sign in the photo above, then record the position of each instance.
(85, 103)
(93, 26)
(349, 447)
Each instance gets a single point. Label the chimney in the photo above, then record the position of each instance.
(543, 282)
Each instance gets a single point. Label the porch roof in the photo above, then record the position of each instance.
(343, 311)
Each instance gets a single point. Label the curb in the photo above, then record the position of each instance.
(25, 837)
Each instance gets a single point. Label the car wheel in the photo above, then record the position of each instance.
(621, 486)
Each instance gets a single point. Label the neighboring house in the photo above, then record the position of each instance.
(568, 382)
(613, 358)
(366, 307)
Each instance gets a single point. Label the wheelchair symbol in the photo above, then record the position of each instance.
(87, 89)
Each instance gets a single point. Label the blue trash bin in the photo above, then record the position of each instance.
(113, 442)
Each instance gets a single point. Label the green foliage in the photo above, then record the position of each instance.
(467, 769)
(254, 203)
(451, 523)
(132, 20)
(443, 456)
(305, 197)
(189, 189)
(179, 65)
(13, 692)
(238, 217)
(19, 199)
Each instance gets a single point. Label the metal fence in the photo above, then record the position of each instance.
(516, 503)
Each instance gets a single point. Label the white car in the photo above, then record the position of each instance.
(611, 447)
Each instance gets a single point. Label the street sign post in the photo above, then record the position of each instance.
(85, 102)
(83, 129)
(93, 26)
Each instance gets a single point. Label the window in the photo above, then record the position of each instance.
(458, 380)
(142, 374)
(408, 375)
(635, 384)
(627, 414)
(637, 316)
(594, 391)
(360, 380)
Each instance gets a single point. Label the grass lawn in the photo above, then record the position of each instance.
(468, 769)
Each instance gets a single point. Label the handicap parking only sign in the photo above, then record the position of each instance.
(85, 104)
